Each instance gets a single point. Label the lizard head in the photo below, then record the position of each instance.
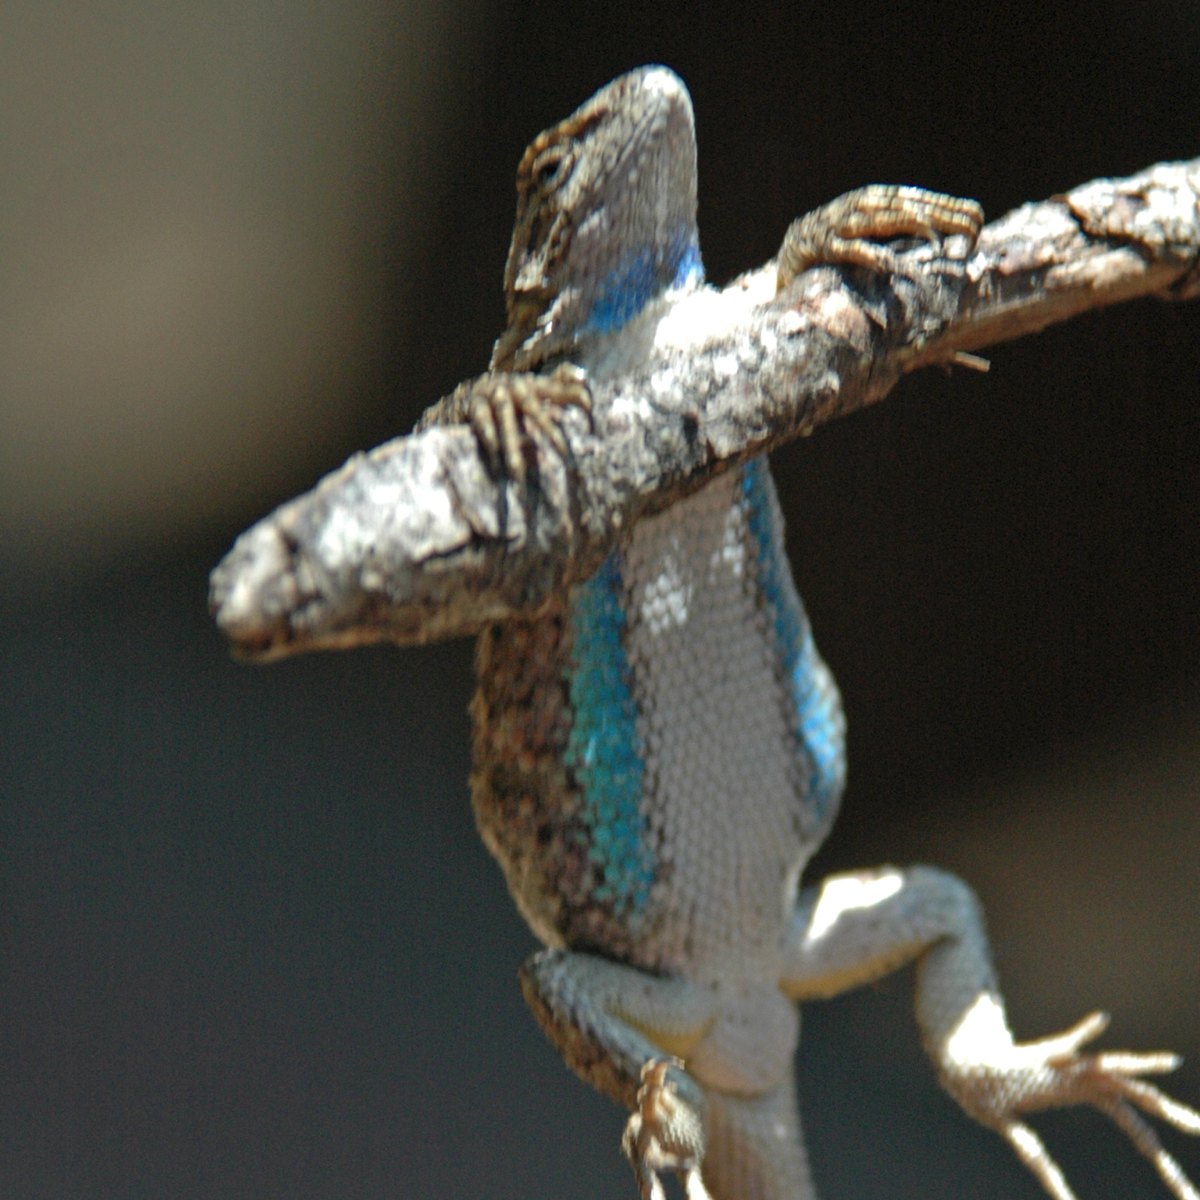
(606, 218)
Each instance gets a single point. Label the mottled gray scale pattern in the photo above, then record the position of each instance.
(527, 802)
(659, 755)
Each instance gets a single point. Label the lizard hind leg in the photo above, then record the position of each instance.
(626, 1033)
(856, 927)
(752, 1146)
(664, 1134)
(1056, 1073)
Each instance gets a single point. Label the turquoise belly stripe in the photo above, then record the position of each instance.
(603, 749)
(819, 725)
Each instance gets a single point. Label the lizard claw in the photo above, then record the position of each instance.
(507, 412)
(847, 230)
(664, 1134)
(1053, 1072)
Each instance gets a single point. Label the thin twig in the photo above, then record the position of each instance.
(415, 541)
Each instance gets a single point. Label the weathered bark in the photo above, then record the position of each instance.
(416, 540)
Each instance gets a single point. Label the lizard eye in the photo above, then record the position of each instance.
(552, 168)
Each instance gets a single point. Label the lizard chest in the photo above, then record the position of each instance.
(657, 758)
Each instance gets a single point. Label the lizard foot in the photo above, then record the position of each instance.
(507, 412)
(664, 1134)
(1052, 1073)
(847, 229)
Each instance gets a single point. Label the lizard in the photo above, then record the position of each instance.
(659, 751)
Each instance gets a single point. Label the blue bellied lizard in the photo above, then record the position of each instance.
(660, 751)
(658, 747)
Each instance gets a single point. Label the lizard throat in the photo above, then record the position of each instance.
(642, 276)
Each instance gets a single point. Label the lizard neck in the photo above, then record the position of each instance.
(594, 304)
(641, 277)
(606, 220)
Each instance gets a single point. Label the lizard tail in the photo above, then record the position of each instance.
(755, 1147)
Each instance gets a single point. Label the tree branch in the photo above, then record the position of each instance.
(415, 540)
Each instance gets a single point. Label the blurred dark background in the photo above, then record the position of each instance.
(250, 945)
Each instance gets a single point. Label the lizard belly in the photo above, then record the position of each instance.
(662, 755)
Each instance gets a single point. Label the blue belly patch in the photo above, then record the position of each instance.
(603, 749)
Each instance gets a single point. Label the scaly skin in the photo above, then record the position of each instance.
(660, 753)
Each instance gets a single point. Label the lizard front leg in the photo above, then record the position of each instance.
(854, 928)
(509, 411)
(847, 230)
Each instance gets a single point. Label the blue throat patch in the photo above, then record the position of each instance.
(640, 277)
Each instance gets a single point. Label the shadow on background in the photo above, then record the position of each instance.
(251, 943)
